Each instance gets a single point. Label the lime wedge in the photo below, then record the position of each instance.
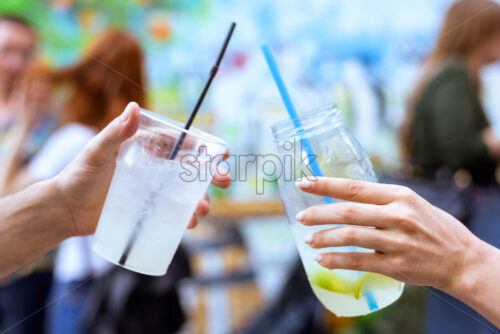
(329, 281)
(377, 281)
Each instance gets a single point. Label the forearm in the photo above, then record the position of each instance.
(32, 222)
(479, 286)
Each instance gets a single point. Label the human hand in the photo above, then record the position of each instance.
(83, 185)
(414, 242)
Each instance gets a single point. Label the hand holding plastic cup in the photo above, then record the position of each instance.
(151, 198)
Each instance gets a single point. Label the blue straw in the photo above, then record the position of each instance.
(273, 67)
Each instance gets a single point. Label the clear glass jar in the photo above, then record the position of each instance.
(319, 144)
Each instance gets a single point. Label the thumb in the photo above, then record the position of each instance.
(107, 143)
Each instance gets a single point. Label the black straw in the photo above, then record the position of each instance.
(213, 72)
(180, 140)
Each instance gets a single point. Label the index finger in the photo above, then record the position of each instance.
(349, 190)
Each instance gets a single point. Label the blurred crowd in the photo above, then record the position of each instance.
(48, 115)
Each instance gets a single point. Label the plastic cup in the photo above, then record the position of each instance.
(151, 198)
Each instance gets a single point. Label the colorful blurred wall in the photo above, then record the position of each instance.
(363, 55)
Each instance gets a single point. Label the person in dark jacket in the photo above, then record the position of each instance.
(446, 126)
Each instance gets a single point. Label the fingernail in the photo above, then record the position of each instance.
(303, 184)
(124, 116)
(318, 257)
(308, 239)
(221, 170)
(300, 216)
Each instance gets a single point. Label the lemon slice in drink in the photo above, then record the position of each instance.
(372, 281)
(329, 281)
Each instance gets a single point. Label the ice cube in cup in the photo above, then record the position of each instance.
(151, 198)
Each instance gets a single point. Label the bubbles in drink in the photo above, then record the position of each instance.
(341, 152)
(159, 194)
(354, 171)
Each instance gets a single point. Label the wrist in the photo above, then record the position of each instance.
(469, 276)
(65, 218)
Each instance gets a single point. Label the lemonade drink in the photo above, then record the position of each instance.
(151, 198)
(163, 222)
(344, 292)
(337, 154)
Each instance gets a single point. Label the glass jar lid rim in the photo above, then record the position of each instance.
(306, 121)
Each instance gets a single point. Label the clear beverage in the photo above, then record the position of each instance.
(151, 198)
(346, 293)
(343, 292)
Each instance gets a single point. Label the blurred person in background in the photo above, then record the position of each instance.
(17, 49)
(446, 126)
(24, 292)
(17, 46)
(98, 87)
(448, 135)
